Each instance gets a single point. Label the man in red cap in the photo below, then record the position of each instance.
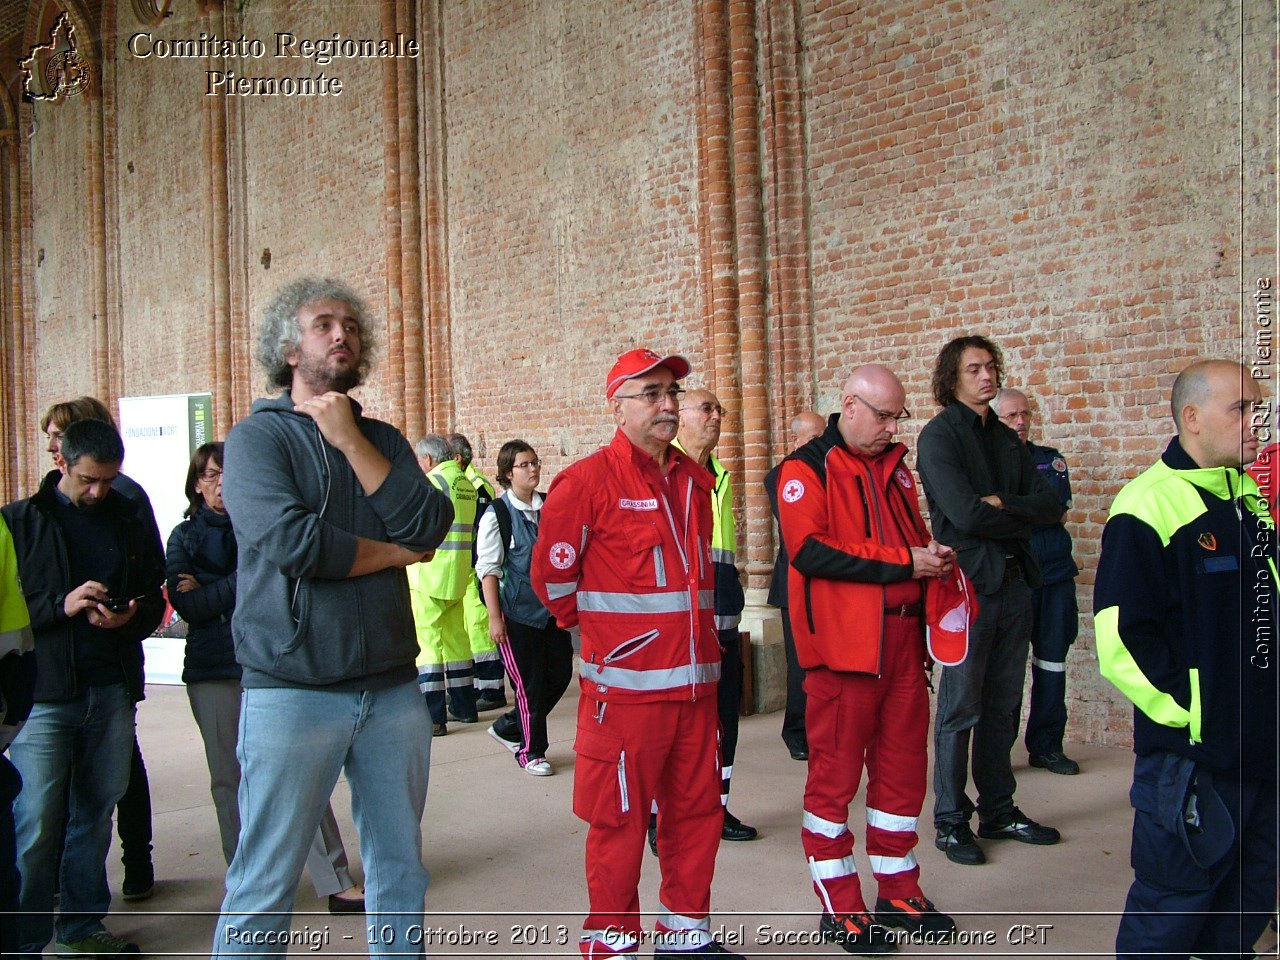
(624, 551)
(860, 559)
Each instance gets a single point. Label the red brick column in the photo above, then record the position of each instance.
(435, 241)
(413, 386)
(218, 236)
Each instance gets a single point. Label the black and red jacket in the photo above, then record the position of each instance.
(849, 522)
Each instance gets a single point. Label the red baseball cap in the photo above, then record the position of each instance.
(636, 363)
(950, 607)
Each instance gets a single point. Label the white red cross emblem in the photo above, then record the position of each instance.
(562, 555)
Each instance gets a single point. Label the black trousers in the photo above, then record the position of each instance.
(10, 882)
(1056, 623)
(539, 662)
(793, 733)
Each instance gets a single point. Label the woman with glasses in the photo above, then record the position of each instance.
(537, 653)
(200, 574)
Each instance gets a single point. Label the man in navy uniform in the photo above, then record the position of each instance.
(1056, 616)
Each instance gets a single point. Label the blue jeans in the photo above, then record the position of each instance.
(83, 745)
(293, 745)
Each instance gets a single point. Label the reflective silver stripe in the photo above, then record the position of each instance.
(667, 679)
(1049, 665)
(677, 921)
(596, 601)
(681, 941)
(728, 622)
(460, 527)
(882, 865)
(557, 590)
(726, 773)
(833, 869)
(622, 782)
(675, 534)
(890, 821)
(721, 555)
(706, 598)
(659, 567)
(823, 828)
(614, 942)
(455, 545)
(21, 640)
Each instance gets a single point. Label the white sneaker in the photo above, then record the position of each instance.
(539, 768)
(512, 745)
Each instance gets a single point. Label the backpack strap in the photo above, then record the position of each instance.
(503, 514)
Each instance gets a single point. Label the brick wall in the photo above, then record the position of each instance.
(63, 303)
(572, 237)
(165, 334)
(1069, 179)
(1068, 185)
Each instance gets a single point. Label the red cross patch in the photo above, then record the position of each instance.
(562, 555)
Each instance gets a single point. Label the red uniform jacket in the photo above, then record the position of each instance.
(625, 553)
(849, 522)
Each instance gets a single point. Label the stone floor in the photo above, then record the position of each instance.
(505, 853)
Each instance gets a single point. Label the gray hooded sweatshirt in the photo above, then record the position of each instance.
(297, 508)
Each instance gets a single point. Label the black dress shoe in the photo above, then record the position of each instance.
(798, 751)
(735, 829)
(340, 905)
(956, 841)
(1056, 763)
(713, 949)
(490, 703)
(439, 730)
(1016, 825)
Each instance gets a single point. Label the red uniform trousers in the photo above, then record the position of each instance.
(628, 755)
(852, 719)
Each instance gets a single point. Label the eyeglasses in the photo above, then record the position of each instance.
(654, 395)
(706, 409)
(529, 465)
(209, 476)
(883, 416)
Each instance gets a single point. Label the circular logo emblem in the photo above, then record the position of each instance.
(563, 555)
(792, 491)
(903, 478)
(1059, 464)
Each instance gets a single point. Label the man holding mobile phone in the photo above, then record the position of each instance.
(79, 545)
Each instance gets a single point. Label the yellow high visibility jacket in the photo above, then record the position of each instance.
(446, 574)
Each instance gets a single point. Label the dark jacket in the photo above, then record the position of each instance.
(1185, 613)
(956, 476)
(45, 570)
(205, 547)
(778, 582)
(1051, 543)
(299, 510)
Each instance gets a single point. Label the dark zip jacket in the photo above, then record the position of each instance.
(45, 571)
(1185, 613)
(204, 546)
(298, 509)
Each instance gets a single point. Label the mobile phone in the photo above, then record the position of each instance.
(119, 604)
